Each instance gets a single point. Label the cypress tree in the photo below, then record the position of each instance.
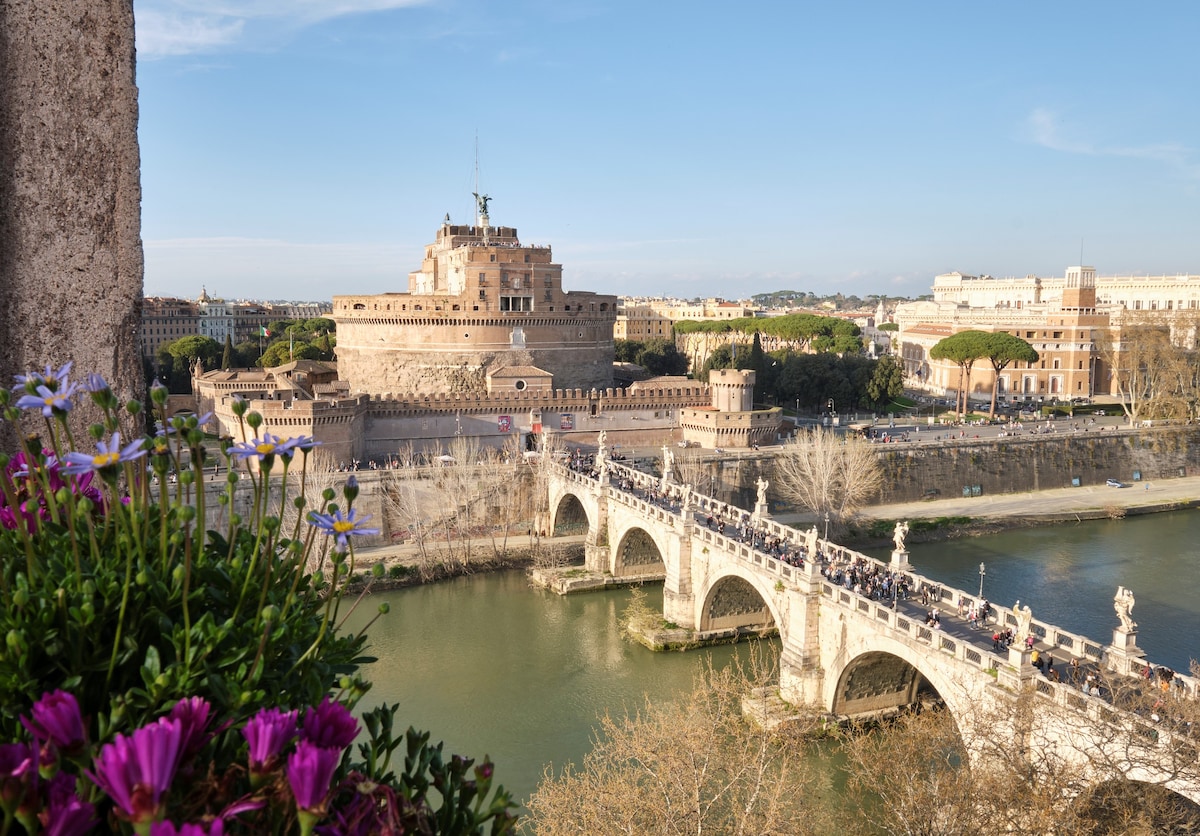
(227, 355)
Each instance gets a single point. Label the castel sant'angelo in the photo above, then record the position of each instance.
(482, 303)
(486, 344)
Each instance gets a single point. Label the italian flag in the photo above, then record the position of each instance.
(263, 332)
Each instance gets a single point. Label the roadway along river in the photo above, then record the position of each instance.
(494, 667)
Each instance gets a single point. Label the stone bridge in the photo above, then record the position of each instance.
(850, 654)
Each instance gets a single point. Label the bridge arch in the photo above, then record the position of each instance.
(637, 552)
(737, 598)
(569, 516)
(884, 673)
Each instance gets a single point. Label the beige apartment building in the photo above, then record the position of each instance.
(649, 319)
(1064, 329)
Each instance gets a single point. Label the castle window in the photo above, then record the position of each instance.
(516, 303)
(483, 294)
(359, 306)
(519, 386)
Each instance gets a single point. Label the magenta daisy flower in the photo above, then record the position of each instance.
(330, 724)
(108, 456)
(65, 814)
(267, 733)
(342, 526)
(56, 720)
(193, 716)
(137, 771)
(310, 773)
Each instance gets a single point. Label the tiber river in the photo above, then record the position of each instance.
(492, 666)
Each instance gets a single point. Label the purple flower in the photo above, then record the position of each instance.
(192, 714)
(136, 771)
(342, 526)
(49, 401)
(310, 772)
(65, 814)
(52, 380)
(268, 732)
(18, 774)
(260, 448)
(108, 456)
(56, 720)
(166, 828)
(301, 442)
(330, 724)
(95, 383)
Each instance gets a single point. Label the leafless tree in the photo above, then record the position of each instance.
(827, 473)
(691, 767)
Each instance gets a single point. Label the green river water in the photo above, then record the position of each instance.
(492, 666)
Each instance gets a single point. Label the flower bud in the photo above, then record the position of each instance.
(96, 431)
(384, 609)
(254, 420)
(158, 393)
(239, 406)
(20, 597)
(270, 613)
(377, 570)
(133, 407)
(350, 491)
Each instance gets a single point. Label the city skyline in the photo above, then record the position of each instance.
(301, 149)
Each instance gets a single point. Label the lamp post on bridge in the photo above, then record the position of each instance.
(827, 526)
(982, 572)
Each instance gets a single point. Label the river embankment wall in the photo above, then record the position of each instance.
(988, 466)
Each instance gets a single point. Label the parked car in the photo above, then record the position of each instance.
(1116, 483)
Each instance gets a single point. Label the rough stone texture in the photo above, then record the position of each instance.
(70, 190)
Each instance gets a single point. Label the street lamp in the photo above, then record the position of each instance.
(826, 526)
(982, 572)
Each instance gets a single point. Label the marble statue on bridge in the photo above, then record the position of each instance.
(899, 534)
(810, 542)
(1123, 604)
(762, 485)
(1024, 620)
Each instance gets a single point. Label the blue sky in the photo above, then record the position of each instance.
(301, 148)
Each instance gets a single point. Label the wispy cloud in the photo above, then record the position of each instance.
(1044, 129)
(188, 27)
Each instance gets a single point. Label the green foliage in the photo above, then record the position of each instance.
(889, 326)
(285, 351)
(657, 356)
(823, 333)
(887, 382)
(227, 354)
(176, 359)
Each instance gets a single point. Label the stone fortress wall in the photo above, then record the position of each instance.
(364, 426)
(453, 352)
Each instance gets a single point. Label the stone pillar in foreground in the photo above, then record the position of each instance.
(70, 191)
